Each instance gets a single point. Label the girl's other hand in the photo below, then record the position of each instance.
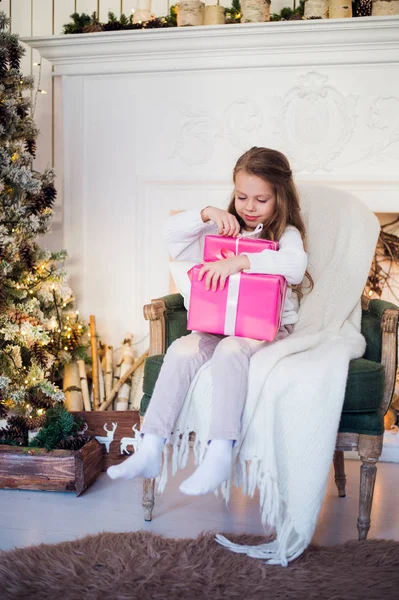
(217, 272)
(227, 223)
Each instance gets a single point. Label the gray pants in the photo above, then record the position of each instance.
(229, 357)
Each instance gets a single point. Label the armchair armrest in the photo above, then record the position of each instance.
(389, 354)
(388, 315)
(168, 320)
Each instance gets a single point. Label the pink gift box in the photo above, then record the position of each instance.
(217, 247)
(250, 305)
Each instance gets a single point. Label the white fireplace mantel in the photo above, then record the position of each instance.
(153, 122)
(344, 42)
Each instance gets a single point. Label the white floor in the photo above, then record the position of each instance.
(28, 518)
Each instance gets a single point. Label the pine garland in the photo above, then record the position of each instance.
(84, 23)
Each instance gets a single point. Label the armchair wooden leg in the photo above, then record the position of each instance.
(369, 451)
(368, 471)
(148, 498)
(339, 470)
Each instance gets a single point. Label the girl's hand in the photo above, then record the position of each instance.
(218, 271)
(227, 223)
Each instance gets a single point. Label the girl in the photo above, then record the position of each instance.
(264, 194)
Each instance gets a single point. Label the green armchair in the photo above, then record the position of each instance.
(369, 390)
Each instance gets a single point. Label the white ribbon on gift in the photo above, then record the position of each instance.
(257, 230)
(233, 291)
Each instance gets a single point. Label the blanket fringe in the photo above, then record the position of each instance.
(162, 479)
(249, 475)
(286, 547)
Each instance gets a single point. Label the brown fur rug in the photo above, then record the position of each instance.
(146, 566)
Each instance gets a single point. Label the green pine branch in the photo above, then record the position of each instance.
(59, 425)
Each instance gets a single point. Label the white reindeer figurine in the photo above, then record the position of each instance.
(109, 438)
(130, 441)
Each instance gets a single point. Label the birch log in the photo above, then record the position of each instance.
(137, 363)
(214, 15)
(385, 7)
(73, 397)
(108, 371)
(316, 9)
(136, 391)
(83, 384)
(340, 9)
(190, 12)
(101, 381)
(94, 357)
(255, 11)
(127, 361)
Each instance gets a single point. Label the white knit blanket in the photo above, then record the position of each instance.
(296, 385)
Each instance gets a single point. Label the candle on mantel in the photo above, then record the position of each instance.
(316, 9)
(214, 15)
(385, 7)
(339, 9)
(142, 12)
(190, 12)
(255, 11)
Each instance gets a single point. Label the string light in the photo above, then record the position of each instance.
(42, 91)
(36, 64)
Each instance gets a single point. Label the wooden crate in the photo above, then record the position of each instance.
(117, 443)
(25, 468)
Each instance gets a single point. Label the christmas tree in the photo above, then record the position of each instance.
(39, 329)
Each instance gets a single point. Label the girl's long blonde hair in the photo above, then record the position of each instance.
(272, 166)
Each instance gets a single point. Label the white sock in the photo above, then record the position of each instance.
(214, 469)
(146, 462)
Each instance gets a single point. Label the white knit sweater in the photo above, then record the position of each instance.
(185, 233)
